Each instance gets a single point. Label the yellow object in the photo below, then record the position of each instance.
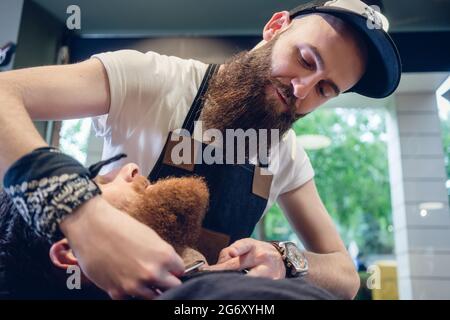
(387, 285)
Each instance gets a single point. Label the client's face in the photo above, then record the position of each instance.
(173, 207)
(123, 187)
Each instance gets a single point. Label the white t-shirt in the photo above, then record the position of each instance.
(150, 96)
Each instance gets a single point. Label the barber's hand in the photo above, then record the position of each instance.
(119, 254)
(261, 258)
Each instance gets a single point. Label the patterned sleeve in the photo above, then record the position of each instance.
(47, 185)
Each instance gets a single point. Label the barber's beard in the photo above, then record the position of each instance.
(237, 99)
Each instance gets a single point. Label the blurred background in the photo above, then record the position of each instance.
(382, 166)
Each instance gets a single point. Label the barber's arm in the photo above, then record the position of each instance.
(330, 266)
(46, 93)
(105, 240)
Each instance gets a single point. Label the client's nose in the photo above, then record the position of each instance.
(129, 172)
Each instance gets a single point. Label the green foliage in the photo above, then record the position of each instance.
(351, 176)
(276, 227)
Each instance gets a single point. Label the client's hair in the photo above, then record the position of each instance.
(174, 208)
(24, 258)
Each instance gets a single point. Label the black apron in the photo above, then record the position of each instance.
(238, 192)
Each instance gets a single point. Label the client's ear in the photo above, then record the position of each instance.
(62, 255)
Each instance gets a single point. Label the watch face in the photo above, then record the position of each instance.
(295, 256)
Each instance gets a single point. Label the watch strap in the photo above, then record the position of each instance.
(291, 271)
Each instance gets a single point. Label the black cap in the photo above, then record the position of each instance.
(383, 70)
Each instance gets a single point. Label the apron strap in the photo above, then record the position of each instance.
(191, 117)
(197, 105)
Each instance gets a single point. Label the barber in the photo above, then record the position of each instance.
(307, 57)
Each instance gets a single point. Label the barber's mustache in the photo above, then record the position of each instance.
(287, 91)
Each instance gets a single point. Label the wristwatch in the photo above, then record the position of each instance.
(294, 259)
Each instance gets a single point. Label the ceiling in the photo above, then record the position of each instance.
(146, 18)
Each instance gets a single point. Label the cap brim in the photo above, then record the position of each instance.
(383, 70)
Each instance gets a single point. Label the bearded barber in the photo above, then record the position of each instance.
(307, 57)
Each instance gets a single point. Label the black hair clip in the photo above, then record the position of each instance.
(95, 168)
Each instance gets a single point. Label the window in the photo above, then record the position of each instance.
(443, 99)
(74, 137)
(352, 178)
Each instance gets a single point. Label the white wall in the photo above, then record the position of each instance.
(417, 174)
